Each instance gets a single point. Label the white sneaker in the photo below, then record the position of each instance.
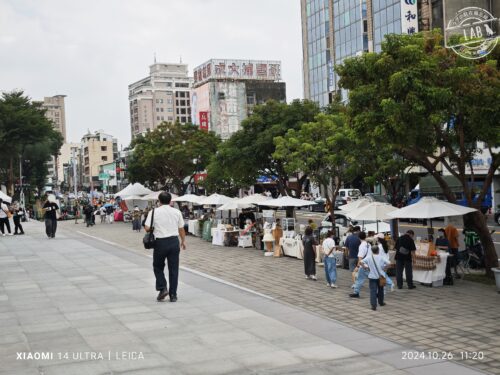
(334, 286)
(392, 288)
(307, 276)
(327, 284)
(352, 286)
(314, 277)
(3, 234)
(9, 234)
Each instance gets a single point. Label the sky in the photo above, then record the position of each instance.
(92, 50)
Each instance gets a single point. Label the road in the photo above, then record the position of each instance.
(420, 231)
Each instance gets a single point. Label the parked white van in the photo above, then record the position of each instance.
(349, 194)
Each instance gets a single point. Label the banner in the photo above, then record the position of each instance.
(409, 17)
(204, 121)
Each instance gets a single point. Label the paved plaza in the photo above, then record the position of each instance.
(86, 301)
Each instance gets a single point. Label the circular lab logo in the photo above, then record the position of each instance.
(473, 33)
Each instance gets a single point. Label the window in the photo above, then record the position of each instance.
(169, 109)
(104, 158)
(157, 109)
(161, 101)
(161, 109)
(104, 148)
(181, 84)
(157, 118)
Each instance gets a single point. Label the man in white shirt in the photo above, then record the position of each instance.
(167, 226)
(4, 218)
(365, 250)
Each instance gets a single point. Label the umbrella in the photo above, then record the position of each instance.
(215, 200)
(154, 196)
(189, 198)
(428, 208)
(108, 205)
(234, 205)
(355, 205)
(5, 197)
(286, 201)
(133, 189)
(372, 211)
(254, 199)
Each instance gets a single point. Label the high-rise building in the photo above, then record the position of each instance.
(55, 111)
(333, 30)
(162, 96)
(97, 149)
(225, 91)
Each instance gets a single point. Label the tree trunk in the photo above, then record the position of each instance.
(477, 222)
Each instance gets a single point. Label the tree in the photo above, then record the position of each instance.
(170, 153)
(431, 107)
(248, 154)
(22, 125)
(323, 150)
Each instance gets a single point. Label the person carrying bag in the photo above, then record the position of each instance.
(149, 238)
(373, 264)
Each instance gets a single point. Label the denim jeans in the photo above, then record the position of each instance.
(330, 270)
(362, 276)
(376, 292)
(166, 248)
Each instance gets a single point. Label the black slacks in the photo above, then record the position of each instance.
(4, 222)
(50, 227)
(406, 265)
(166, 248)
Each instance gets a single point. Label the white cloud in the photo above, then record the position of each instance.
(91, 50)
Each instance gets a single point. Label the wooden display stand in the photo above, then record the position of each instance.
(277, 234)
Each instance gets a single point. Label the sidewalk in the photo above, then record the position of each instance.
(89, 308)
(462, 318)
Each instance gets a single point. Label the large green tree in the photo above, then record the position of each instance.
(432, 108)
(169, 154)
(23, 125)
(248, 154)
(323, 150)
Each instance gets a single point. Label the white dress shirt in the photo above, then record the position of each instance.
(167, 221)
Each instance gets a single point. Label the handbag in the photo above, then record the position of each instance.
(404, 251)
(149, 238)
(381, 279)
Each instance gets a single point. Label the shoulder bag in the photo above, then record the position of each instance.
(381, 279)
(149, 238)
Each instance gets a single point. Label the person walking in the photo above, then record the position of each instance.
(167, 226)
(102, 214)
(375, 265)
(329, 260)
(405, 250)
(18, 214)
(364, 251)
(383, 248)
(136, 219)
(76, 212)
(310, 244)
(109, 214)
(87, 211)
(4, 218)
(49, 208)
(352, 243)
(452, 235)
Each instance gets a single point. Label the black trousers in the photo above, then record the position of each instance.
(166, 248)
(406, 265)
(4, 222)
(17, 224)
(50, 227)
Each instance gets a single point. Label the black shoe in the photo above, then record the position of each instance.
(382, 304)
(400, 287)
(412, 287)
(374, 308)
(161, 296)
(173, 298)
(15, 234)
(354, 295)
(457, 276)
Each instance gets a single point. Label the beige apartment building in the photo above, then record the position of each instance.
(56, 112)
(162, 96)
(97, 149)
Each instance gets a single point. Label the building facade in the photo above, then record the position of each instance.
(56, 112)
(97, 149)
(162, 96)
(68, 166)
(225, 92)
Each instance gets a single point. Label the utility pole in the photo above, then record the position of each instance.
(73, 162)
(21, 193)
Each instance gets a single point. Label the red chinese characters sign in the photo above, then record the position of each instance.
(200, 177)
(203, 120)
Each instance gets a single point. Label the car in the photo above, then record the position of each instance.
(349, 194)
(497, 216)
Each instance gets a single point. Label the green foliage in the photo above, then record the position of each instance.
(25, 132)
(323, 150)
(248, 154)
(169, 154)
(405, 96)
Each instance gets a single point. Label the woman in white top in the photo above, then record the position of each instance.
(384, 253)
(329, 260)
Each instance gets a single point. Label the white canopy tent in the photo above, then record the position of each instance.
(254, 199)
(189, 198)
(215, 200)
(286, 201)
(361, 202)
(5, 197)
(154, 196)
(133, 189)
(429, 208)
(372, 211)
(234, 205)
